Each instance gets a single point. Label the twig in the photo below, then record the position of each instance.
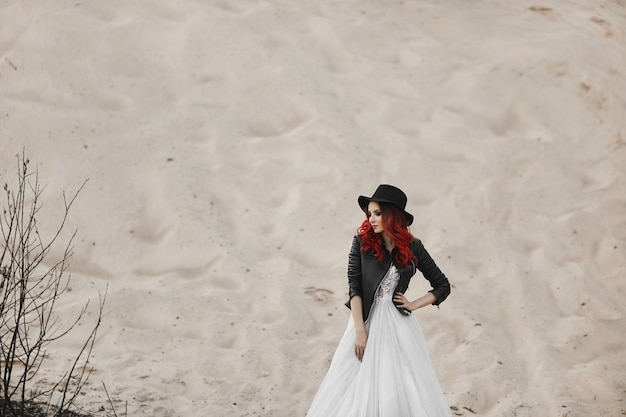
(110, 401)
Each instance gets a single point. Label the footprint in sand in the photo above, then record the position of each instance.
(319, 295)
(606, 25)
(546, 11)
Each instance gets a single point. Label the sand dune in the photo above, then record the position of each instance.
(226, 143)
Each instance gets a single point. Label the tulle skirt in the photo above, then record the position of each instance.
(395, 378)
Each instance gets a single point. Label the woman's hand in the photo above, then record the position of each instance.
(401, 301)
(360, 343)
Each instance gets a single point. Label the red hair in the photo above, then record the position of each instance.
(396, 227)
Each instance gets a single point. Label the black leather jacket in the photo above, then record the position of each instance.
(365, 273)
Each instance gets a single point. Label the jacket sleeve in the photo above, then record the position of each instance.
(430, 270)
(354, 269)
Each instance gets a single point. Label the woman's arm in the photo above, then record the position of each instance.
(430, 270)
(354, 270)
(356, 304)
(356, 297)
(425, 300)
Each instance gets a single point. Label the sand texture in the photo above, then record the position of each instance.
(226, 142)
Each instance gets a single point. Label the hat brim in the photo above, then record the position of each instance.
(365, 201)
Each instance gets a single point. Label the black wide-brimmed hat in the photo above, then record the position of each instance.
(387, 194)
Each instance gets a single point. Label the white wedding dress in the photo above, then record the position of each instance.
(395, 378)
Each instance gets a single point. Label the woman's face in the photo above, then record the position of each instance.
(375, 216)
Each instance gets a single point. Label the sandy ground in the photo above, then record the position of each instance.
(226, 142)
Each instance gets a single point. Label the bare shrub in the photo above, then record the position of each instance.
(30, 286)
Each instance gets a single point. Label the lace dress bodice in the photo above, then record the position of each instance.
(388, 284)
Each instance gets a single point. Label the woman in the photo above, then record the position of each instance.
(381, 367)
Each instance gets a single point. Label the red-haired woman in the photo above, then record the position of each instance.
(381, 367)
